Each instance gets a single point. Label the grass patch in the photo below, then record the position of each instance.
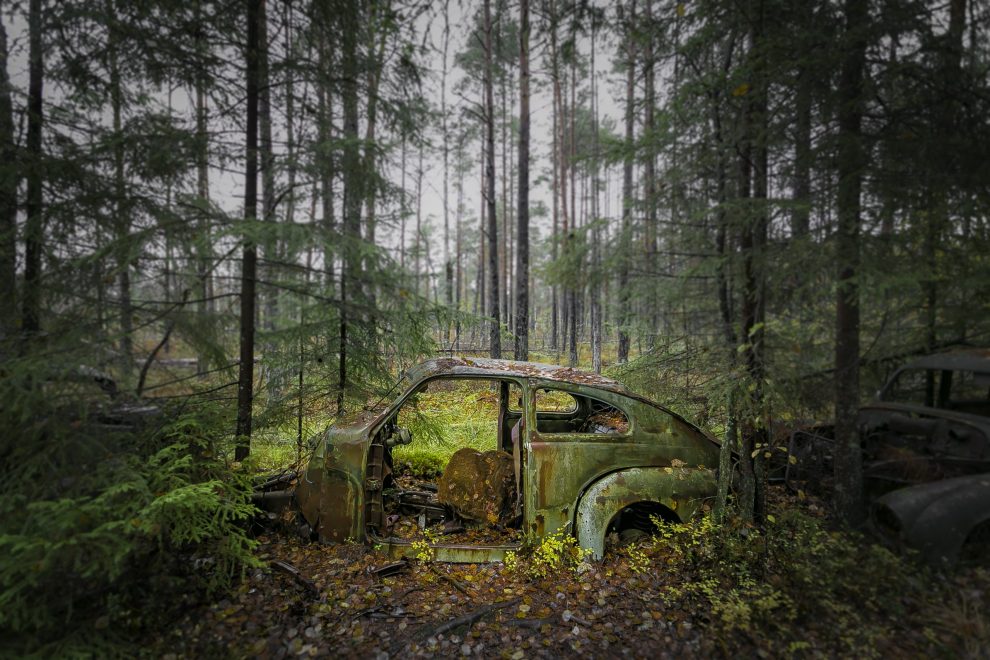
(447, 416)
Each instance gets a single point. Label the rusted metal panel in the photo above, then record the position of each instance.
(340, 493)
(682, 490)
(935, 518)
(561, 466)
(454, 554)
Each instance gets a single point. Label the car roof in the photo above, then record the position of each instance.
(487, 367)
(969, 360)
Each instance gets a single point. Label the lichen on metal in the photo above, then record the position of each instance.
(574, 473)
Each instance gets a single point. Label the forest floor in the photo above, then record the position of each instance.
(658, 598)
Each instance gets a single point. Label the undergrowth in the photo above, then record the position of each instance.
(441, 422)
(106, 526)
(775, 587)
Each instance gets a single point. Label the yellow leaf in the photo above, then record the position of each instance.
(792, 459)
(770, 518)
(681, 10)
(742, 90)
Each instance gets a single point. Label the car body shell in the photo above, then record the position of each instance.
(935, 518)
(573, 481)
(927, 465)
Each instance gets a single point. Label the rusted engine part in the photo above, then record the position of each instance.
(274, 495)
(419, 501)
(479, 486)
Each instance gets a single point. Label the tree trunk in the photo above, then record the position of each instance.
(325, 159)
(650, 172)
(495, 341)
(245, 380)
(205, 250)
(851, 160)
(121, 212)
(522, 210)
(596, 282)
(266, 164)
(625, 238)
(350, 280)
(448, 266)
(8, 198)
(34, 223)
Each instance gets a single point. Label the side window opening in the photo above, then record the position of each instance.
(558, 411)
(606, 418)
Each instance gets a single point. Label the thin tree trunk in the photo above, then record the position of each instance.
(266, 166)
(504, 243)
(350, 281)
(649, 169)
(8, 198)
(495, 341)
(596, 283)
(625, 238)
(522, 210)
(205, 249)
(418, 250)
(403, 200)
(325, 160)
(245, 380)
(851, 159)
(554, 236)
(34, 223)
(448, 266)
(121, 219)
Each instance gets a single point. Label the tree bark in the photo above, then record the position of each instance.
(8, 198)
(495, 339)
(245, 380)
(205, 250)
(649, 169)
(353, 185)
(851, 160)
(121, 213)
(448, 265)
(522, 210)
(625, 238)
(34, 223)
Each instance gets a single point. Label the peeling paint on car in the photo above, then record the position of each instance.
(574, 477)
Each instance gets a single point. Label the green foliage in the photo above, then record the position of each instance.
(442, 422)
(103, 529)
(549, 557)
(759, 583)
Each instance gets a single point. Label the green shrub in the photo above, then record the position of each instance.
(101, 530)
(773, 586)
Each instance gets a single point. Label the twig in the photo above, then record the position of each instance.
(457, 585)
(534, 624)
(468, 619)
(292, 571)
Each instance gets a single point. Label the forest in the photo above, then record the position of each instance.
(227, 226)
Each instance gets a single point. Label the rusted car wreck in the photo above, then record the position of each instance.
(606, 462)
(926, 456)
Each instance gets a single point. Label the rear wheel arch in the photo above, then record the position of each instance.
(671, 493)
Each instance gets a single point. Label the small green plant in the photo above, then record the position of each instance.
(639, 562)
(550, 556)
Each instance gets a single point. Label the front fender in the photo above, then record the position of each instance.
(682, 490)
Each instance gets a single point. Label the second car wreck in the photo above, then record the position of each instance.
(926, 456)
(572, 451)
